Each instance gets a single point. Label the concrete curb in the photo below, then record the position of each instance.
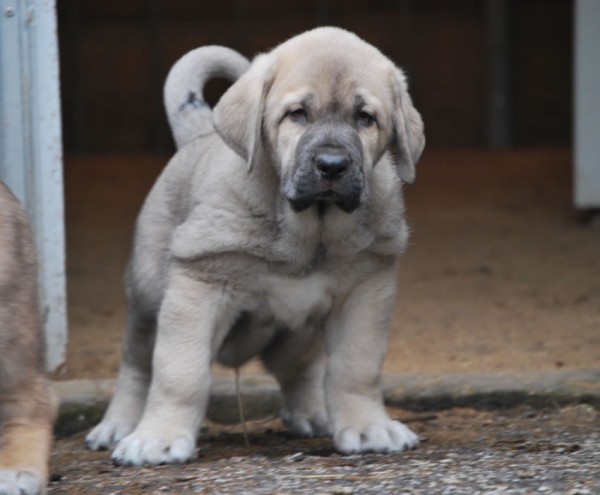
(492, 390)
(83, 401)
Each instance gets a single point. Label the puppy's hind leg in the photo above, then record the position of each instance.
(129, 400)
(297, 360)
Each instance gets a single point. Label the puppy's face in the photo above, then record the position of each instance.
(322, 122)
(323, 108)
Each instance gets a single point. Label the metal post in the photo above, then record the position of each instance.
(322, 12)
(72, 38)
(405, 8)
(500, 100)
(31, 148)
(241, 26)
(587, 105)
(160, 134)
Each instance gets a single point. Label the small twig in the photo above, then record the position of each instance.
(323, 476)
(240, 408)
(414, 419)
(349, 477)
(267, 419)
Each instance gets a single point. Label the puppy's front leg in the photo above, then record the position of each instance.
(191, 313)
(356, 343)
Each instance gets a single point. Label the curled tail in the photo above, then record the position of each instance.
(189, 115)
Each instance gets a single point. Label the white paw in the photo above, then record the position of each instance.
(141, 448)
(387, 436)
(107, 434)
(313, 424)
(21, 483)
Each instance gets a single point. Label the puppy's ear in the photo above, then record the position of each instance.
(239, 113)
(408, 138)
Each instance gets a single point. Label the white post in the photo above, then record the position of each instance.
(31, 148)
(500, 128)
(587, 104)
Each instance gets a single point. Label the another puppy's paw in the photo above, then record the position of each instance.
(388, 436)
(142, 448)
(313, 424)
(21, 483)
(107, 434)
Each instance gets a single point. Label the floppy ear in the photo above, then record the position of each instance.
(408, 138)
(239, 113)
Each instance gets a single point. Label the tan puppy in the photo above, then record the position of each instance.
(26, 403)
(275, 236)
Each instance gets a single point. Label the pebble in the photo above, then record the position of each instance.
(342, 490)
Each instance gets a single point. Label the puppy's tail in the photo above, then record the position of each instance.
(189, 115)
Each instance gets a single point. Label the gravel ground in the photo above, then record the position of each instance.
(463, 451)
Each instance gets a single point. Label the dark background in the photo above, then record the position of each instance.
(499, 275)
(115, 55)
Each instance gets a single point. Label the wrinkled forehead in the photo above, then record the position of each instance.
(331, 79)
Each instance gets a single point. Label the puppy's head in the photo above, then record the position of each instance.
(323, 108)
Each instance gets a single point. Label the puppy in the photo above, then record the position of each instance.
(27, 405)
(273, 232)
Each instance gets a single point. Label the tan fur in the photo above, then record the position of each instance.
(26, 403)
(235, 256)
(26, 447)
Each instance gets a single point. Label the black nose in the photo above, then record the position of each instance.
(331, 164)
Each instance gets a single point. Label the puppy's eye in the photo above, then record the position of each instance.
(365, 119)
(298, 115)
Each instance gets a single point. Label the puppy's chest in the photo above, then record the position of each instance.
(294, 300)
(314, 242)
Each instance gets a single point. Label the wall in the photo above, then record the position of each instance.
(115, 56)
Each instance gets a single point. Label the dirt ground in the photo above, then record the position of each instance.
(462, 451)
(499, 275)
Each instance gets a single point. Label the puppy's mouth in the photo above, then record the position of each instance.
(345, 203)
(327, 168)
